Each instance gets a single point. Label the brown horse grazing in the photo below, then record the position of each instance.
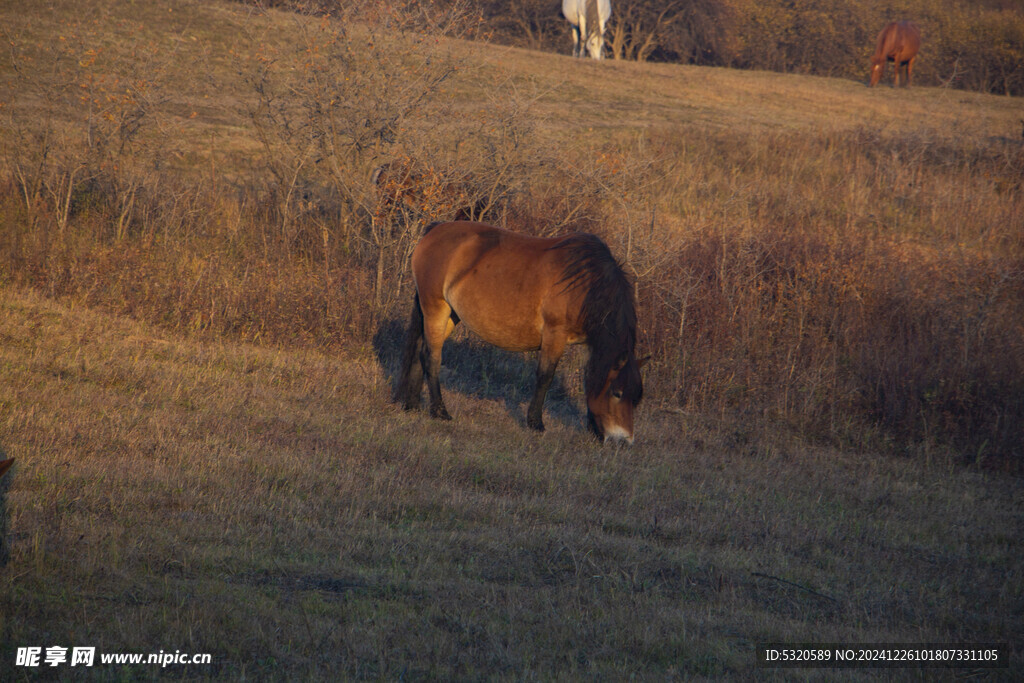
(525, 293)
(897, 43)
(5, 465)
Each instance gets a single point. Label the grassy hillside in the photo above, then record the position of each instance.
(272, 509)
(201, 299)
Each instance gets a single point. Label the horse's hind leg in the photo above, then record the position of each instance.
(410, 386)
(438, 323)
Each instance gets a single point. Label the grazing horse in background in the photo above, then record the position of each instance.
(897, 43)
(524, 293)
(588, 18)
(5, 465)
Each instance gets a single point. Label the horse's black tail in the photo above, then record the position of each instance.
(410, 382)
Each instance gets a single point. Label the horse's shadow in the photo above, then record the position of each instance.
(471, 367)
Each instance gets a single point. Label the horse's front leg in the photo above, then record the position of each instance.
(551, 349)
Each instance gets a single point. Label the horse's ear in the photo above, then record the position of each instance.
(643, 361)
(5, 465)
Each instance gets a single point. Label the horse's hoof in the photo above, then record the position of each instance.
(440, 414)
(535, 425)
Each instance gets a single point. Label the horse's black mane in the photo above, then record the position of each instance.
(608, 314)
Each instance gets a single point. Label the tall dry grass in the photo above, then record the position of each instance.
(847, 280)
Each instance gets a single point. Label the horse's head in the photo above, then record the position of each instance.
(610, 411)
(877, 68)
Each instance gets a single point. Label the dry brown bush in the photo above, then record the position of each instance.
(831, 311)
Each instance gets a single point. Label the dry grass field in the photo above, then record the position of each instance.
(201, 302)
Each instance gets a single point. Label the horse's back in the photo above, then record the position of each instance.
(899, 40)
(500, 283)
(570, 10)
(448, 248)
(910, 38)
(595, 12)
(458, 251)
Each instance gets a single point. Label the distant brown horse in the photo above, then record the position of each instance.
(5, 465)
(897, 43)
(524, 293)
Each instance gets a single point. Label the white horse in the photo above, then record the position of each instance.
(588, 18)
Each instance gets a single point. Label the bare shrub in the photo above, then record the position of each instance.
(101, 136)
(692, 32)
(361, 91)
(837, 309)
(536, 24)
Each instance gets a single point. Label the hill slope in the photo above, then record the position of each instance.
(208, 45)
(274, 510)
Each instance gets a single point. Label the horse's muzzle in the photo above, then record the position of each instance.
(617, 433)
